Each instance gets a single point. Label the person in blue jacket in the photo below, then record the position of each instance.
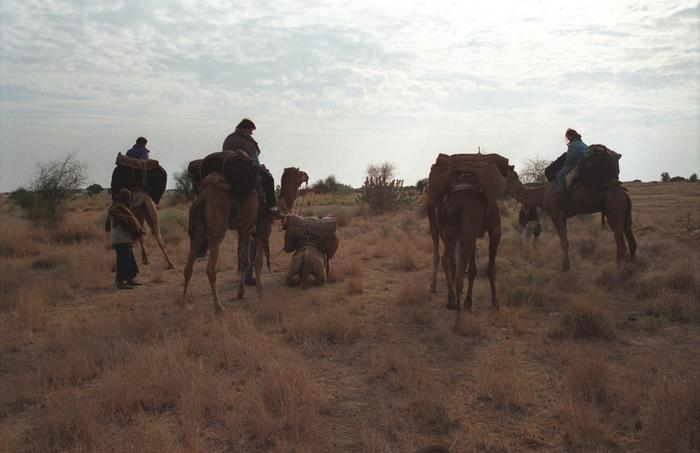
(575, 151)
(139, 150)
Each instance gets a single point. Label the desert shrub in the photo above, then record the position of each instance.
(343, 216)
(172, 220)
(587, 320)
(613, 277)
(680, 280)
(94, 189)
(673, 421)
(52, 187)
(184, 190)
(693, 177)
(674, 307)
(381, 192)
(533, 171)
(665, 177)
(587, 247)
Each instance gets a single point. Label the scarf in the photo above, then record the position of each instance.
(123, 216)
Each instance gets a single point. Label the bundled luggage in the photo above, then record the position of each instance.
(138, 174)
(302, 230)
(488, 170)
(237, 169)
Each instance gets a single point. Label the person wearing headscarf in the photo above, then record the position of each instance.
(124, 230)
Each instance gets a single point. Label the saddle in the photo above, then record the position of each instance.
(488, 171)
(235, 167)
(139, 175)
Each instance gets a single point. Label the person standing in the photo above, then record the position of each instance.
(139, 150)
(124, 230)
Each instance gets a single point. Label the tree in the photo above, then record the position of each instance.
(381, 191)
(693, 177)
(422, 185)
(183, 185)
(533, 171)
(52, 187)
(665, 177)
(94, 189)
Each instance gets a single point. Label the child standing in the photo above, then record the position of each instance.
(124, 230)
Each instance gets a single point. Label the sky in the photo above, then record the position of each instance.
(334, 85)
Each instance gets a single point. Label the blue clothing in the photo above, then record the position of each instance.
(574, 153)
(138, 152)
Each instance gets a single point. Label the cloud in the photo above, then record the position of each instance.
(367, 78)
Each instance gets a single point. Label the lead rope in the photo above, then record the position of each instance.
(298, 204)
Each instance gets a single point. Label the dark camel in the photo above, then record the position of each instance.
(210, 218)
(461, 218)
(145, 210)
(613, 202)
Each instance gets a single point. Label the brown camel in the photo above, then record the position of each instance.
(145, 210)
(307, 267)
(462, 217)
(214, 211)
(613, 202)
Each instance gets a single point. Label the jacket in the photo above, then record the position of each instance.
(138, 152)
(574, 153)
(241, 139)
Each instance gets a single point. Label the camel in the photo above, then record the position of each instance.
(145, 210)
(307, 267)
(613, 202)
(462, 217)
(211, 216)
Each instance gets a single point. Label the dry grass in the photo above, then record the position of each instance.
(673, 420)
(588, 379)
(373, 364)
(499, 379)
(413, 293)
(355, 286)
(587, 320)
(466, 325)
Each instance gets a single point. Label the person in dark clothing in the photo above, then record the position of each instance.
(124, 230)
(139, 150)
(242, 139)
(529, 221)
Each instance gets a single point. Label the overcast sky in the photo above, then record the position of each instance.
(333, 86)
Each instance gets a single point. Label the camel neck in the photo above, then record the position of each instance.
(528, 196)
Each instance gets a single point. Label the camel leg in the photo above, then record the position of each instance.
(471, 275)
(621, 246)
(494, 240)
(144, 255)
(448, 266)
(560, 224)
(211, 274)
(461, 260)
(243, 261)
(631, 241)
(154, 224)
(435, 235)
(259, 257)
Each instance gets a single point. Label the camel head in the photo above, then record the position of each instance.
(292, 179)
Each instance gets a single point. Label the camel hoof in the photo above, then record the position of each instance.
(433, 288)
(219, 311)
(452, 306)
(170, 267)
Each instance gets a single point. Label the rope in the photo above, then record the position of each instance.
(297, 203)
